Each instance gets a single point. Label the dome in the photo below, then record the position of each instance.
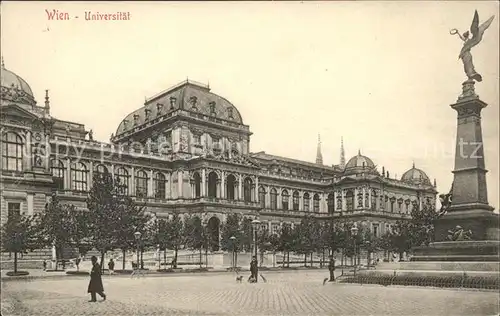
(416, 176)
(15, 88)
(360, 161)
(189, 96)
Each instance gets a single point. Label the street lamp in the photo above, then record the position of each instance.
(137, 236)
(354, 233)
(255, 225)
(233, 246)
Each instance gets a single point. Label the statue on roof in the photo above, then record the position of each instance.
(477, 35)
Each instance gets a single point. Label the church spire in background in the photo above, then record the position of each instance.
(342, 153)
(319, 156)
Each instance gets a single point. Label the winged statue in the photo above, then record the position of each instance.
(477, 32)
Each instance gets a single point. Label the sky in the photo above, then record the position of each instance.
(382, 75)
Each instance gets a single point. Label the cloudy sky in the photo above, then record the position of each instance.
(380, 74)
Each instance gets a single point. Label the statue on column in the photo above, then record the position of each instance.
(465, 54)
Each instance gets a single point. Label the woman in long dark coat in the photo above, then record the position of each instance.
(95, 284)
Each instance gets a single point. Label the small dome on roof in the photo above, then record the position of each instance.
(415, 176)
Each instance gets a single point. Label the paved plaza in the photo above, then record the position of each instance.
(285, 293)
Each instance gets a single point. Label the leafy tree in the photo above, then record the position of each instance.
(245, 239)
(230, 228)
(18, 235)
(285, 242)
(305, 236)
(55, 226)
(195, 234)
(176, 234)
(79, 232)
(161, 237)
(103, 203)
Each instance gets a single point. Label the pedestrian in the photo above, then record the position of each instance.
(95, 284)
(254, 271)
(111, 266)
(331, 268)
(44, 265)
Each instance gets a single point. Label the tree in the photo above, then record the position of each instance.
(161, 237)
(231, 228)
(176, 235)
(103, 204)
(79, 232)
(18, 235)
(55, 226)
(305, 236)
(285, 243)
(195, 234)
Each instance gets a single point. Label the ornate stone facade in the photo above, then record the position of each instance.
(187, 150)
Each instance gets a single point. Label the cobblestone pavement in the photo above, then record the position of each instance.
(292, 293)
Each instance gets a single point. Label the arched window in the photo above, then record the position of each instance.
(349, 200)
(100, 169)
(274, 199)
(160, 183)
(141, 184)
(296, 200)
(197, 184)
(57, 170)
(316, 203)
(231, 187)
(212, 184)
(121, 180)
(306, 202)
(331, 203)
(12, 152)
(247, 190)
(285, 200)
(262, 197)
(78, 176)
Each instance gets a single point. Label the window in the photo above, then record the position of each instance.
(57, 169)
(393, 199)
(262, 197)
(275, 229)
(296, 200)
(78, 176)
(331, 203)
(284, 200)
(212, 107)
(375, 230)
(100, 170)
(160, 185)
(349, 196)
(374, 200)
(274, 199)
(197, 184)
(12, 157)
(230, 113)
(247, 190)
(141, 184)
(231, 187)
(196, 139)
(121, 180)
(212, 184)
(13, 209)
(316, 203)
(306, 202)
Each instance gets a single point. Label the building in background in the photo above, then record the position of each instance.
(187, 150)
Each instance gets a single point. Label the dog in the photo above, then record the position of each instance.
(239, 279)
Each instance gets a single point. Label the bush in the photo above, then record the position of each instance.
(18, 273)
(169, 270)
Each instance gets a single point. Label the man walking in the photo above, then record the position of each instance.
(111, 266)
(331, 268)
(95, 284)
(254, 270)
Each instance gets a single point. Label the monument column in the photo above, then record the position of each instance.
(469, 208)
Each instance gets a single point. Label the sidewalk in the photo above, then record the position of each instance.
(40, 274)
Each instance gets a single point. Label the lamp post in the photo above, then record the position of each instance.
(354, 233)
(255, 225)
(137, 236)
(233, 245)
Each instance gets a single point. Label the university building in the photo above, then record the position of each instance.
(186, 149)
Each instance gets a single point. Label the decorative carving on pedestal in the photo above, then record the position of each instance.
(459, 234)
